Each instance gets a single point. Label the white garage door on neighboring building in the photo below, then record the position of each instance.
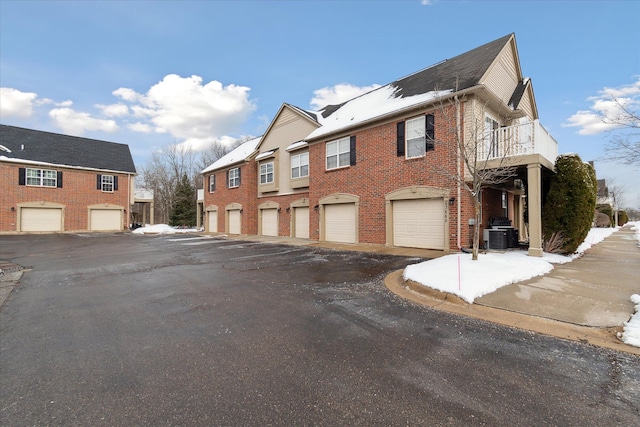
(234, 222)
(301, 222)
(41, 219)
(419, 223)
(340, 222)
(105, 220)
(213, 221)
(269, 222)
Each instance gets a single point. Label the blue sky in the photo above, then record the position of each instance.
(153, 73)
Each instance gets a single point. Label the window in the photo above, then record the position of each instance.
(42, 177)
(234, 177)
(338, 153)
(300, 165)
(416, 146)
(107, 183)
(416, 136)
(212, 183)
(266, 173)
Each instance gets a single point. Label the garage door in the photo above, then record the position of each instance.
(213, 221)
(234, 222)
(269, 222)
(40, 219)
(301, 218)
(340, 223)
(418, 223)
(106, 220)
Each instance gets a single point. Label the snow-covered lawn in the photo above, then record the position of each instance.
(163, 229)
(457, 274)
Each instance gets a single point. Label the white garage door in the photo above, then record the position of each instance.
(234, 222)
(269, 222)
(40, 219)
(418, 223)
(213, 221)
(301, 219)
(340, 223)
(106, 220)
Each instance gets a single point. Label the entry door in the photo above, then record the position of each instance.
(340, 223)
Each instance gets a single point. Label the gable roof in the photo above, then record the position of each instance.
(462, 72)
(34, 146)
(239, 154)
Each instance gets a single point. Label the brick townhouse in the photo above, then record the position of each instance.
(387, 167)
(59, 183)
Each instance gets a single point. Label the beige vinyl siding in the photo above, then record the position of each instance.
(503, 77)
(526, 105)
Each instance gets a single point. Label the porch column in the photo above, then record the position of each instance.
(534, 207)
(198, 214)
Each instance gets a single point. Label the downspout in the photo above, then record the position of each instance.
(460, 176)
(128, 200)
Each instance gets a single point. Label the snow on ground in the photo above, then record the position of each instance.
(162, 229)
(458, 274)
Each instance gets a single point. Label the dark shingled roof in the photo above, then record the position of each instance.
(65, 150)
(517, 94)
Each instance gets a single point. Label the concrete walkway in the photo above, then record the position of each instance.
(593, 290)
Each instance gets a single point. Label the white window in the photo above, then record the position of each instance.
(416, 137)
(300, 165)
(107, 183)
(266, 173)
(42, 177)
(338, 153)
(234, 177)
(212, 183)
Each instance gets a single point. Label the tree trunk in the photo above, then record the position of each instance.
(476, 230)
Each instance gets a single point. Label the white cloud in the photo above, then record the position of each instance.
(76, 123)
(14, 103)
(113, 110)
(188, 109)
(140, 127)
(338, 94)
(606, 112)
(427, 2)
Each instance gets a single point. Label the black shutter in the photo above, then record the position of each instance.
(239, 169)
(115, 183)
(59, 179)
(430, 133)
(400, 139)
(227, 179)
(22, 173)
(99, 182)
(352, 150)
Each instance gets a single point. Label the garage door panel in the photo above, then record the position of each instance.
(106, 220)
(234, 222)
(340, 223)
(419, 223)
(213, 221)
(301, 218)
(269, 222)
(41, 219)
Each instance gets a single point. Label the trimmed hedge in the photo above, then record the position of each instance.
(622, 218)
(570, 203)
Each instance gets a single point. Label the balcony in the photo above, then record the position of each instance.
(518, 144)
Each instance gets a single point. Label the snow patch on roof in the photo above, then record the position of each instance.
(370, 106)
(296, 145)
(239, 154)
(265, 154)
(58, 165)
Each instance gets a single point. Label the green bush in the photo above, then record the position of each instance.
(622, 218)
(607, 210)
(570, 203)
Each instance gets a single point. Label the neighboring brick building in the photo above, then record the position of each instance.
(387, 167)
(58, 183)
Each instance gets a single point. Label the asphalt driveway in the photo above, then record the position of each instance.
(185, 330)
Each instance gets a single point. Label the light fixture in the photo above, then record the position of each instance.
(452, 200)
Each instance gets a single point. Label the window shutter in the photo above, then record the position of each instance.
(59, 179)
(239, 169)
(430, 134)
(352, 150)
(400, 139)
(115, 183)
(227, 179)
(99, 182)
(22, 173)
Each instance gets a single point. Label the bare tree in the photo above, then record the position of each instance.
(624, 145)
(482, 155)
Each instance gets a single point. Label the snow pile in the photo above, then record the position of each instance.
(458, 274)
(631, 331)
(162, 229)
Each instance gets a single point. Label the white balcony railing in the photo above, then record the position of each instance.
(519, 140)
